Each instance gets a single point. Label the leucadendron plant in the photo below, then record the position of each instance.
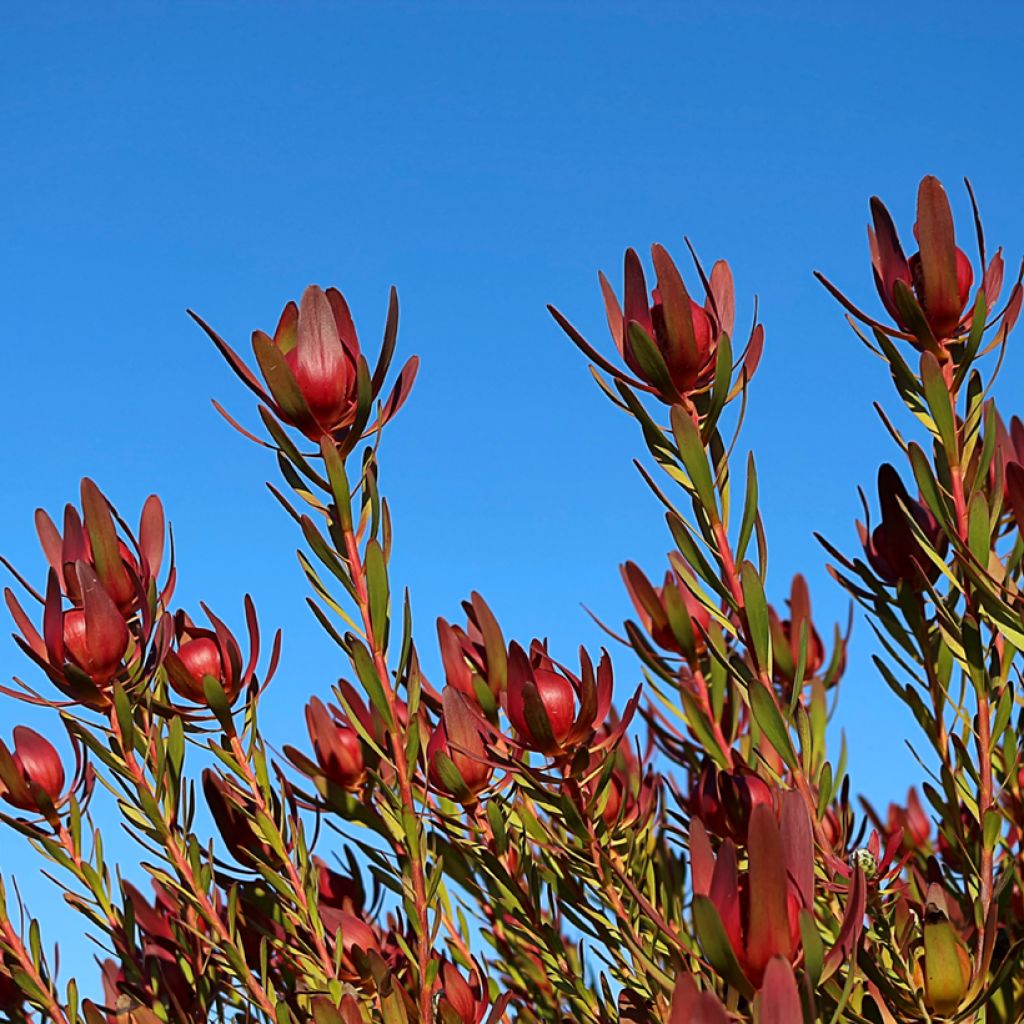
(522, 837)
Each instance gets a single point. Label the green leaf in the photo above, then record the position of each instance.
(365, 668)
(695, 460)
(755, 607)
(770, 722)
(339, 482)
(652, 364)
(979, 530)
(716, 946)
(377, 585)
(940, 405)
(749, 510)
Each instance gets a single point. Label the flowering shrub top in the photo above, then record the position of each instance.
(505, 841)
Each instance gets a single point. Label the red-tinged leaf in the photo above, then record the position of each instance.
(691, 1006)
(937, 240)
(644, 356)
(940, 404)
(242, 371)
(605, 686)
(681, 349)
(106, 552)
(536, 718)
(723, 297)
(799, 601)
(702, 858)
(613, 311)
(778, 1001)
(494, 643)
(755, 349)
(852, 927)
(1015, 493)
(498, 1010)
(798, 841)
(725, 895)
(53, 620)
(859, 314)
(387, 347)
(457, 672)
(151, 533)
(716, 947)
(911, 313)
(992, 282)
(253, 626)
(104, 624)
(591, 353)
(50, 540)
(884, 1015)
(635, 300)
(1012, 310)
(886, 252)
(684, 999)
(286, 334)
(768, 934)
(21, 620)
(343, 322)
(643, 594)
(461, 724)
(403, 386)
(281, 381)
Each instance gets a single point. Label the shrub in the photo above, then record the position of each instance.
(510, 843)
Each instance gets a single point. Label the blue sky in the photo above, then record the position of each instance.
(487, 158)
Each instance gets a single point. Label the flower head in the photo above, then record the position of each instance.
(893, 548)
(551, 709)
(456, 754)
(201, 653)
(316, 378)
(32, 774)
(669, 342)
(672, 614)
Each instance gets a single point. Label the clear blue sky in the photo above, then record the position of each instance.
(487, 158)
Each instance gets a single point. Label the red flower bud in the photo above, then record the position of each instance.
(342, 892)
(32, 775)
(546, 704)
(467, 1000)
(759, 909)
(684, 333)
(671, 613)
(94, 637)
(96, 652)
(474, 654)
(937, 278)
(455, 754)
(125, 566)
(892, 548)
(337, 746)
(724, 801)
(912, 820)
(202, 658)
(233, 813)
(313, 363)
(211, 652)
(541, 701)
(357, 939)
(928, 295)
(667, 340)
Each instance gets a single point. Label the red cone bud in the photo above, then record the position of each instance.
(36, 777)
